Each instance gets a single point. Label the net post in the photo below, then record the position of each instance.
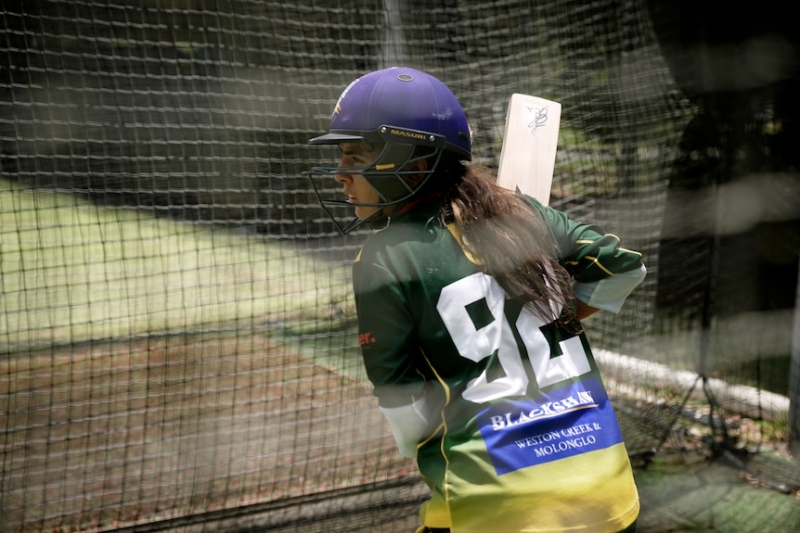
(794, 381)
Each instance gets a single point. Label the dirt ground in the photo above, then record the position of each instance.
(104, 436)
(193, 434)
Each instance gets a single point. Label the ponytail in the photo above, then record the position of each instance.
(508, 237)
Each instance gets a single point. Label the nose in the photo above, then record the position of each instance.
(343, 177)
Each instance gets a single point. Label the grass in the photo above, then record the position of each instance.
(681, 495)
(139, 425)
(73, 271)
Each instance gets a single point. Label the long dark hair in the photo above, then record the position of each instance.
(509, 238)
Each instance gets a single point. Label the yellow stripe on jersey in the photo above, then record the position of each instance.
(599, 265)
(434, 515)
(443, 425)
(591, 241)
(455, 231)
(634, 252)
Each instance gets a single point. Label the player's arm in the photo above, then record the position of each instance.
(609, 293)
(386, 333)
(604, 272)
(583, 310)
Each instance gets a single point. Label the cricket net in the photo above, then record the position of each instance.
(177, 339)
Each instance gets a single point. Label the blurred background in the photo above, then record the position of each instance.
(177, 338)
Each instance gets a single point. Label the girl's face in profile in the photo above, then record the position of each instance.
(356, 187)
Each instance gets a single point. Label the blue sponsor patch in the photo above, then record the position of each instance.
(569, 421)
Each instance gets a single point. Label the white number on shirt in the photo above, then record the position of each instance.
(473, 310)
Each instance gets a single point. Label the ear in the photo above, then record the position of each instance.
(420, 165)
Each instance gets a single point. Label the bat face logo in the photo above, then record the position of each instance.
(538, 117)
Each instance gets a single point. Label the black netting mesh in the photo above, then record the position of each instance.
(176, 325)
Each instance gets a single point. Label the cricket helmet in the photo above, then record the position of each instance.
(411, 115)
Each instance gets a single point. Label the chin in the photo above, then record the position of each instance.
(365, 213)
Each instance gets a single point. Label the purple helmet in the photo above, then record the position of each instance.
(412, 115)
(402, 98)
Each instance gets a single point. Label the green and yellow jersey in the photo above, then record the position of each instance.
(505, 412)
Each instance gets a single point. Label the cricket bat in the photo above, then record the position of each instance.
(528, 155)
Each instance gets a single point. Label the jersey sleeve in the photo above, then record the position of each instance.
(604, 272)
(386, 335)
(385, 325)
(610, 293)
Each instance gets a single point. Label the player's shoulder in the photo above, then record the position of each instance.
(536, 205)
(403, 231)
(402, 241)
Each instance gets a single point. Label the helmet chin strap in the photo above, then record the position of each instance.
(353, 224)
(377, 215)
(371, 221)
(357, 223)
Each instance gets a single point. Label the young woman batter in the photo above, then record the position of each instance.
(469, 303)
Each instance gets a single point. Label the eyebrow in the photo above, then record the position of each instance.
(357, 148)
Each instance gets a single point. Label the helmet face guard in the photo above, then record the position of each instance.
(413, 115)
(388, 174)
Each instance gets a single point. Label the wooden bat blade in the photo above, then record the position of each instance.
(530, 141)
